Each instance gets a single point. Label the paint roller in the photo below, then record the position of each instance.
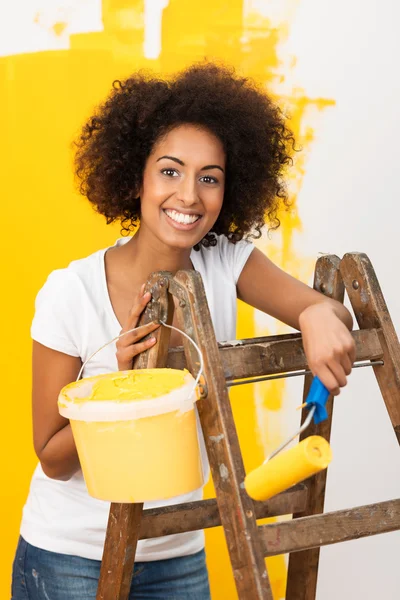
(282, 470)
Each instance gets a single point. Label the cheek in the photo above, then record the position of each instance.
(153, 193)
(215, 201)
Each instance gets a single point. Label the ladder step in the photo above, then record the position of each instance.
(279, 354)
(304, 533)
(191, 516)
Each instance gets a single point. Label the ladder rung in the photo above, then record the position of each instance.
(304, 533)
(277, 354)
(204, 514)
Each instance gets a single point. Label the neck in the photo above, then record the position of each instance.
(148, 254)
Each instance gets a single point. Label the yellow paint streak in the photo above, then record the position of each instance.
(59, 28)
(45, 224)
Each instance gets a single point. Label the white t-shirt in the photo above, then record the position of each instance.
(74, 315)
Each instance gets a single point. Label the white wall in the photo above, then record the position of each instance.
(349, 50)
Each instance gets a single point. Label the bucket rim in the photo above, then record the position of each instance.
(178, 399)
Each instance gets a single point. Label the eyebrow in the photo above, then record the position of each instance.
(180, 162)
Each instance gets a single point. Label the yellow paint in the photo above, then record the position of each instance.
(45, 98)
(59, 28)
(131, 386)
(288, 468)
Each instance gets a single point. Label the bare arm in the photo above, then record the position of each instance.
(52, 435)
(266, 287)
(324, 323)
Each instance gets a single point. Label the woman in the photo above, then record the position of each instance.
(195, 164)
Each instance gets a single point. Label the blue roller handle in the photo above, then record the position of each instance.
(318, 396)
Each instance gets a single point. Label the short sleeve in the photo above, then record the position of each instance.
(58, 313)
(235, 255)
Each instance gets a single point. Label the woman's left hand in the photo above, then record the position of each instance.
(328, 345)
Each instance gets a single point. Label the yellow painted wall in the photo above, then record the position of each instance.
(45, 98)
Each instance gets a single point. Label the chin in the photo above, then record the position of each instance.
(181, 242)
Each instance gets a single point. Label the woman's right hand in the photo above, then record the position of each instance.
(129, 345)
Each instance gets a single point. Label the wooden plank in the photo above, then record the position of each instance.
(279, 354)
(330, 528)
(235, 506)
(303, 566)
(371, 311)
(125, 519)
(204, 514)
(161, 307)
(119, 552)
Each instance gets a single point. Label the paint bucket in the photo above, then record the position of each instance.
(135, 433)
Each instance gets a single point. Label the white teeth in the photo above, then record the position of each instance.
(181, 218)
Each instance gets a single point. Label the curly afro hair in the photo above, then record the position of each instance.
(116, 141)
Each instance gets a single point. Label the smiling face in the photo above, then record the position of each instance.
(183, 186)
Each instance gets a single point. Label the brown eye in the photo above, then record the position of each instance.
(169, 172)
(208, 179)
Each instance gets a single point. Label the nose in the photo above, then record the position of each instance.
(187, 192)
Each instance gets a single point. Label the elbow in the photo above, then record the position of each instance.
(59, 470)
(56, 462)
(55, 472)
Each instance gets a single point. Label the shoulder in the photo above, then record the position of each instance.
(79, 274)
(230, 251)
(85, 268)
(61, 305)
(63, 285)
(227, 256)
(67, 290)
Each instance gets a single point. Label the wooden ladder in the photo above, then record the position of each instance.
(248, 543)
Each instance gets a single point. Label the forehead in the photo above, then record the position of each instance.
(191, 143)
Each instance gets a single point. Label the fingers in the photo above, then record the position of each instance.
(137, 309)
(126, 354)
(329, 380)
(129, 345)
(346, 351)
(338, 373)
(329, 347)
(333, 373)
(350, 348)
(347, 364)
(137, 334)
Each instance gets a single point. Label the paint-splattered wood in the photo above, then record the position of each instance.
(204, 514)
(236, 508)
(303, 566)
(119, 552)
(124, 519)
(371, 311)
(161, 307)
(268, 356)
(330, 528)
